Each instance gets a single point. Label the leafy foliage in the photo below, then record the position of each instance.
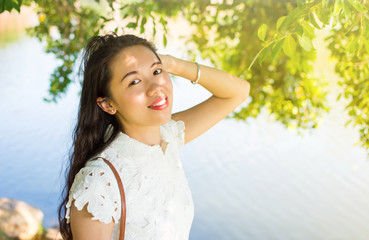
(348, 21)
(9, 5)
(349, 44)
(267, 42)
(284, 86)
(65, 28)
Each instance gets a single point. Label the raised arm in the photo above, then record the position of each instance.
(228, 92)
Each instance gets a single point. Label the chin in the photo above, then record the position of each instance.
(165, 119)
(161, 118)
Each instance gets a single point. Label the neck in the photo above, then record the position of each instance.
(149, 135)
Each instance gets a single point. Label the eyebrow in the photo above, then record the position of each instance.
(134, 72)
(155, 63)
(130, 73)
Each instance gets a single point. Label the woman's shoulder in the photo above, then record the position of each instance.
(94, 169)
(95, 185)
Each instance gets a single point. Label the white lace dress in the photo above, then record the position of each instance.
(158, 199)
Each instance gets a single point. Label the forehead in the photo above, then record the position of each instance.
(133, 57)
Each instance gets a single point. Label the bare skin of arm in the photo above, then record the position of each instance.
(228, 93)
(84, 228)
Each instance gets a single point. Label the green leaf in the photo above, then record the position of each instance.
(367, 46)
(358, 7)
(142, 29)
(131, 25)
(365, 31)
(279, 22)
(265, 53)
(314, 20)
(106, 19)
(137, 18)
(291, 18)
(305, 42)
(339, 96)
(143, 20)
(163, 21)
(262, 32)
(142, 26)
(123, 7)
(347, 123)
(154, 28)
(353, 47)
(299, 30)
(337, 7)
(165, 41)
(257, 55)
(277, 48)
(347, 11)
(8, 5)
(308, 30)
(289, 46)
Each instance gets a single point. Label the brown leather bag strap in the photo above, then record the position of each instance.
(122, 198)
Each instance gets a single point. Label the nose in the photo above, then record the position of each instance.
(155, 89)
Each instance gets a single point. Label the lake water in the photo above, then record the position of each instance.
(250, 180)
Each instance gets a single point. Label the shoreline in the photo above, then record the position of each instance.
(20, 220)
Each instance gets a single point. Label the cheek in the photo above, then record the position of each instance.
(132, 99)
(168, 85)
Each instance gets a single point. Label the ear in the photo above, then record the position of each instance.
(106, 105)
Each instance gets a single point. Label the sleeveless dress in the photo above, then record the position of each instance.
(158, 199)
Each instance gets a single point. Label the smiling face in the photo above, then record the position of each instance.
(141, 90)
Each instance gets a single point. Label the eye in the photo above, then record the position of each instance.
(134, 82)
(157, 71)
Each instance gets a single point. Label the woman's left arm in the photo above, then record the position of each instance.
(228, 92)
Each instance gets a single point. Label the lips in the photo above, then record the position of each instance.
(160, 103)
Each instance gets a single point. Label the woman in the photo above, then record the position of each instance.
(125, 116)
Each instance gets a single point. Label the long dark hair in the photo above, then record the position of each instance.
(88, 136)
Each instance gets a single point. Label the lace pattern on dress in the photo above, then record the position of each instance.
(143, 171)
(96, 186)
(174, 132)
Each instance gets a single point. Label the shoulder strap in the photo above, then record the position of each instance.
(122, 198)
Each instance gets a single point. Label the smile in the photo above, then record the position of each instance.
(159, 104)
